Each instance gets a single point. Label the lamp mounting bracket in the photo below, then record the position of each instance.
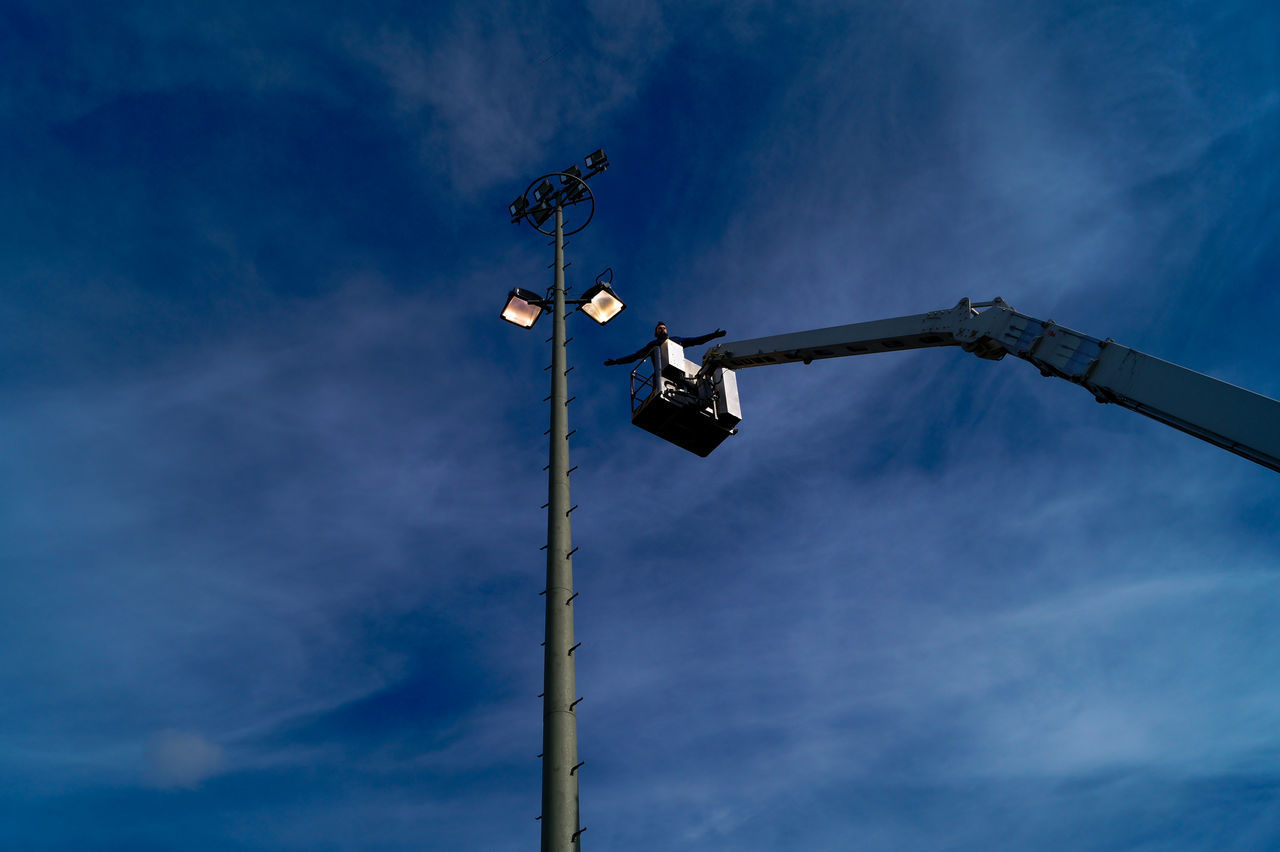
(573, 190)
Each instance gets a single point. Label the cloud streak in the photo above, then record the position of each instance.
(273, 466)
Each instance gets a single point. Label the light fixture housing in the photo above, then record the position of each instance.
(601, 303)
(573, 189)
(518, 207)
(596, 160)
(543, 191)
(523, 307)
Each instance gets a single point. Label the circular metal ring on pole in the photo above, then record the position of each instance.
(585, 195)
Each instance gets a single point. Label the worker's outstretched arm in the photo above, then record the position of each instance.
(634, 356)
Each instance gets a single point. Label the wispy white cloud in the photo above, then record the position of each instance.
(140, 568)
(978, 152)
(490, 89)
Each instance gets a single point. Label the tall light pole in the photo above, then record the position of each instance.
(547, 198)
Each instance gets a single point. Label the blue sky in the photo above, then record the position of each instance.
(274, 466)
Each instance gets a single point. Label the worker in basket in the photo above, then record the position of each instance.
(659, 335)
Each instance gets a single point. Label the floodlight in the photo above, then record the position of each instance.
(543, 191)
(523, 308)
(601, 303)
(597, 160)
(542, 213)
(574, 172)
(518, 207)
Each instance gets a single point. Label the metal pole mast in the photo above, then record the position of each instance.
(560, 829)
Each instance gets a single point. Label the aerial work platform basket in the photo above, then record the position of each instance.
(668, 400)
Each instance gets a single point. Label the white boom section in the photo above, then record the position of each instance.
(1235, 419)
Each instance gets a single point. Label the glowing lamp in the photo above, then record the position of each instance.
(601, 303)
(523, 308)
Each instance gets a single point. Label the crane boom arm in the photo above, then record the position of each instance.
(1233, 418)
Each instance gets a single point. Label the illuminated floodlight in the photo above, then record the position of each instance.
(518, 207)
(597, 160)
(523, 308)
(601, 303)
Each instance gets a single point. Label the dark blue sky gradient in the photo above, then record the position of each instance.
(273, 465)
